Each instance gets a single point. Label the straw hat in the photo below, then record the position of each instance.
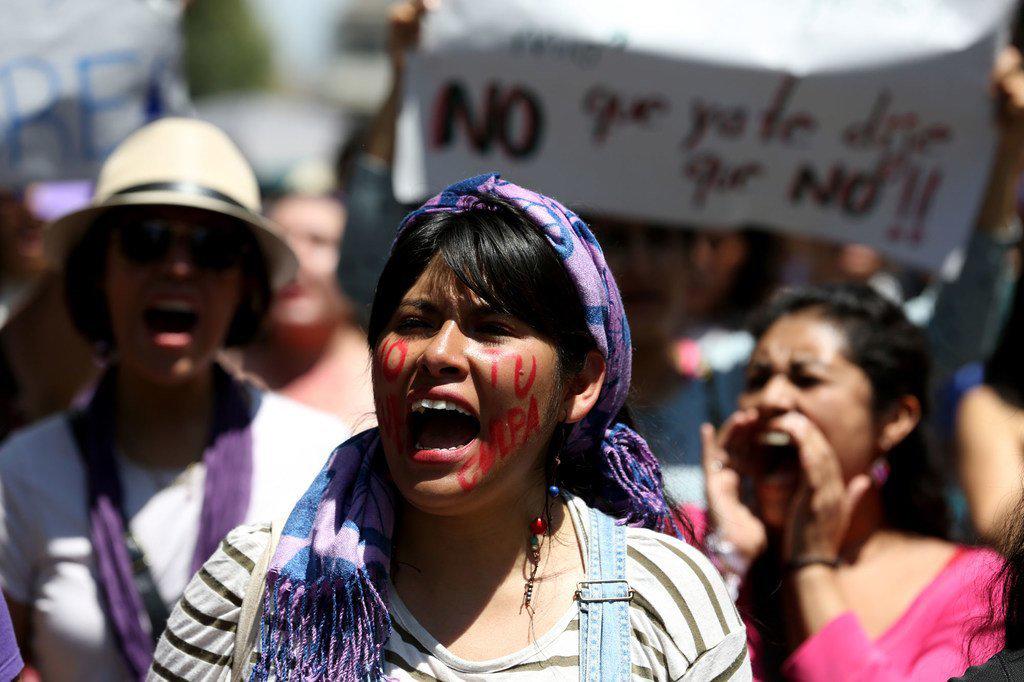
(177, 162)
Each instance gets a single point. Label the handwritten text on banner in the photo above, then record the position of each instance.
(837, 119)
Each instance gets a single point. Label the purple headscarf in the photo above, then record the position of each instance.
(325, 611)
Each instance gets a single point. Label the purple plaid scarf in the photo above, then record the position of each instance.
(226, 491)
(325, 607)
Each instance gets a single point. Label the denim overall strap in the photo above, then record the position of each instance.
(604, 604)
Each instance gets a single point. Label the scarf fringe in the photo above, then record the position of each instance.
(332, 628)
(635, 475)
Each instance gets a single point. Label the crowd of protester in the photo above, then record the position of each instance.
(319, 434)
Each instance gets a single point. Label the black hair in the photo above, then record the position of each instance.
(1004, 372)
(893, 353)
(86, 265)
(500, 255)
(1011, 578)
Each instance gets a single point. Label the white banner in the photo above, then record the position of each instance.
(77, 76)
(867, 121)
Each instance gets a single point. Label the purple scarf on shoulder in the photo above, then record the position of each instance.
(226, 492)
(325, 613)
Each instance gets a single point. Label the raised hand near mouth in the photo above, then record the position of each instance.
(820, 513)
(732, 520)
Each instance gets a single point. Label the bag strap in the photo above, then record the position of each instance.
(604, 603)
(252, 605)
(156, 610)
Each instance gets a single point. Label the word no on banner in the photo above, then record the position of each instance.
(818, 117)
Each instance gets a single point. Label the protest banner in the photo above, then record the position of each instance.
(77, 76)
(868, 121)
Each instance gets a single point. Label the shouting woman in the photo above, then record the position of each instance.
(107, 511)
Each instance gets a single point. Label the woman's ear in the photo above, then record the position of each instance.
(584, 388)
(900, 420)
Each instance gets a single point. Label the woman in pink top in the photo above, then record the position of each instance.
(827, 508)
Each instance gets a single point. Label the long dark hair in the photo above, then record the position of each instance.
(892, 352)
(1011, 580)
(1004, 372)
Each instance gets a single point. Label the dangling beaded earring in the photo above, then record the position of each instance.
(538, 529)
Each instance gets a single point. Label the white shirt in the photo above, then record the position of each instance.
(46, 557)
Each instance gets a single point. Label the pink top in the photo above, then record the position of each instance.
(945, 630)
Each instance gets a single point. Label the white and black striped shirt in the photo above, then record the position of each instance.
(684, 626)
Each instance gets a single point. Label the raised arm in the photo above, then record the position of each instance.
(969, 309)
(990, 447)
(373, 211)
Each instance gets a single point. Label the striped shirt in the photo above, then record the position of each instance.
(684, 626)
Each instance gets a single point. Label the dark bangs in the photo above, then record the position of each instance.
(497, 252)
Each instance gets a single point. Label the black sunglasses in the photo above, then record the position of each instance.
(212, 248)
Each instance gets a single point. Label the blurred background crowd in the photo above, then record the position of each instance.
(310, 91)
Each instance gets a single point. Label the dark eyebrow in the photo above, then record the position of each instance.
(797, 363)
(420, 304)
(426, 307)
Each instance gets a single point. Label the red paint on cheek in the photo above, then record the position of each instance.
(486, 458)
(392, 362)
(517, 426)
(474, 469)
(498, 439)
(516, 422)
(521, 391)
(495, 355)
(392, 424)
(532, 419)
(469, 474)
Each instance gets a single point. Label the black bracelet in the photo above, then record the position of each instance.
(796, 564)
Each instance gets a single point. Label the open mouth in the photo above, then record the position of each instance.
(778, 453)
(441, 425)
(170, 318)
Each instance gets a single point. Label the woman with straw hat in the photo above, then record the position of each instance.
(106, 511)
